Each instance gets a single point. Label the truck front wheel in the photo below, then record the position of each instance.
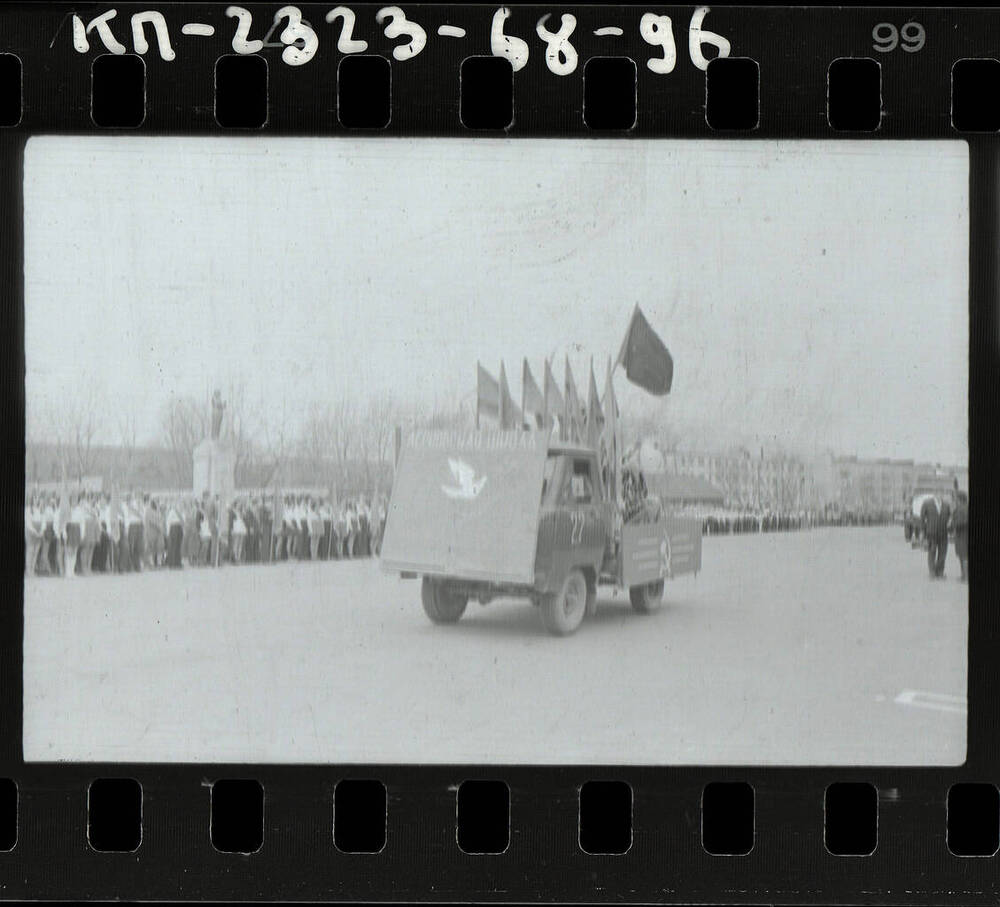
(563, 612)
(441, 604)
(646, 599)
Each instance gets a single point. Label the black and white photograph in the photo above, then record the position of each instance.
(514, 451)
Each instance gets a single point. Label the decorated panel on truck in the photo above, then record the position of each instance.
(655, 551)
(465, 504)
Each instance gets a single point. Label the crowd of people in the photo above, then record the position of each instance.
(78, 533)
(731, 521)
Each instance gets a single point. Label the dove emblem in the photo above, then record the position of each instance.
(468, 486)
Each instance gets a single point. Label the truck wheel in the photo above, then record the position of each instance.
(646, 599)
(908, 531)
(563, 612)
(441, 604)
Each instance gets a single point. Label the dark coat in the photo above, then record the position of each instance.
(935, 522)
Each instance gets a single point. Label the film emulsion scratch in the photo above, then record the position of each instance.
(483, 452)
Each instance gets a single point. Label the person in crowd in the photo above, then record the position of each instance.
(175, 534)
(249, 511)
(315, 525)
(72, 534)
(351, 525)
(237, 533)
(153, 532)
(136, 545)
(326, 518)
(302, 517)
(34, 535)
(960, 521)
(51, 544)
(91, 536)
(266, 520)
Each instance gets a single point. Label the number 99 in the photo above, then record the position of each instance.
(886, 37)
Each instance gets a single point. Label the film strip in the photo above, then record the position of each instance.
(134, 768)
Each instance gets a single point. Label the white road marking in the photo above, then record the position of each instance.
(198, 28)
(451, 31)
(609, 30)
(942, 702)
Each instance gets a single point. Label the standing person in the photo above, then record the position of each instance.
(326, 515)
(91, 535)
(136, 539)
(302, 514)
(204, 534)
(253, 531)
(237, 532)
(109, 536)
(49, 543)
(266, 518)
(73, 529)
(124, 548)
(960, 521)
(34, 530)
(175, 535)
(351, 528)
(152, 532)
(315, 524)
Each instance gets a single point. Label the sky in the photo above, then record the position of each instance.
(800, 286)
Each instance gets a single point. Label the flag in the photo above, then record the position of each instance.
(647, 361)
(572, 408)
(487, 394)
(554, 398)
(510, 415)
(609, 438)
(595, 418)
(532, 398)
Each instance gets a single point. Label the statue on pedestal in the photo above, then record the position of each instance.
(218, 408)
(214, 463)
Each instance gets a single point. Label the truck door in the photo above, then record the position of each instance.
(581, 503)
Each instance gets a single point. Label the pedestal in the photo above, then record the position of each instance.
(214, 469)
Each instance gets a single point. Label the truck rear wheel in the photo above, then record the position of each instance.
(646, 599)
(908, 531)
(441, 604)
(563, 612)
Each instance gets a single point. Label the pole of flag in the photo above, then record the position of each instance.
(612, 402)
(477, 395)
(545, 400)
(524, 369)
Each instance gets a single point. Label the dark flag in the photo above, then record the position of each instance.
(647, 361)
(532, 398)
(487, 394)
(595, 417)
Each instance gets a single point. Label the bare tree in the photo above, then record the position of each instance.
(125, 456)
(376, 439)
(275, 440)
(184, 424)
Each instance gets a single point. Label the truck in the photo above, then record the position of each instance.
(485, 515)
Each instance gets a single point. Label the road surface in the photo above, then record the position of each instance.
(829, 646)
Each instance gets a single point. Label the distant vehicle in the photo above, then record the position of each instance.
(490, 514)
(926, 486)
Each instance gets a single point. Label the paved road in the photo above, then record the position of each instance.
(787, 648)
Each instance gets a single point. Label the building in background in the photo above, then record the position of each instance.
(787, 482)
